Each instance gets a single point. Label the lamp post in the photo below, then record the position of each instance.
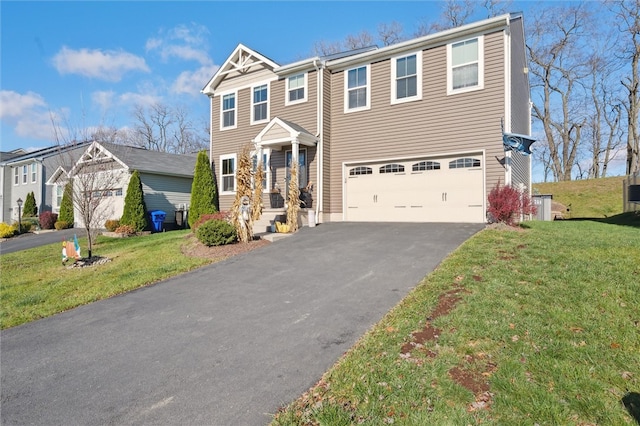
(19, 201)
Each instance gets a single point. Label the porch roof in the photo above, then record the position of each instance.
(279, 133)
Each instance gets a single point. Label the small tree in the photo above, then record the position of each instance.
(66, 205)
(135, 210)
(203, 190)
(30, 209)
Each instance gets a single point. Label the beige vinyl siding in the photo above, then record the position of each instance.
(437, 124)
(520, 115)
(256, 76)
(326, 136)
(165, 193)
(231, 141)
(520, 170)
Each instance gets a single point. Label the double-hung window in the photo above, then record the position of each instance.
(296, 89)
(228, 167)
(25, 172)
(228, 116)
(406, 75)
(34, 173)
(260, 104)
(465, 59)
(357, 89)
(16, 175)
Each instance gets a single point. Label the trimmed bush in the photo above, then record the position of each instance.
(66, 205)
(111, 225)
(135, 211)
(216, 233)
(29, 208)
(61, 224)
(211, 216)
(203, 190)
(6, 231)
(506, 204)
(48, 220)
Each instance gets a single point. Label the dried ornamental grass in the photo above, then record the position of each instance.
(256, 205)
(293, 201)
(244, 227)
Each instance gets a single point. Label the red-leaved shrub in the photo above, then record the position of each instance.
(210, 216)
(507, 204)
(48, 220)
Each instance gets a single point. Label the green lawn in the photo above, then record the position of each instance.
(546, 331)
(588, 197)
(36, 285)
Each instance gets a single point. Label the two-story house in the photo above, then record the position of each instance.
(409, 132)
(31, 172)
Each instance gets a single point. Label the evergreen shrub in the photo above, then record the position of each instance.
(216, 233)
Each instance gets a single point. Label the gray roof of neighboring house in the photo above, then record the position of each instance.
(155, 162)
(11, 157)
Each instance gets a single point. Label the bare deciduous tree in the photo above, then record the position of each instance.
(389, 34)
(627, 21)
(558, 70)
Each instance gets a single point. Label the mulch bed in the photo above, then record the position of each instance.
(194, 248)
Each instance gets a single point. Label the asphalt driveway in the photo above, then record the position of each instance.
(226, 344)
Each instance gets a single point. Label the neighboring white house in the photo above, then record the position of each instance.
(105, 169)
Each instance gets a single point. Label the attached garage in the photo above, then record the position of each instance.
(434, 189)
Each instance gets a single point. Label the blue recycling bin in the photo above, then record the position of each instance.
(157, 217)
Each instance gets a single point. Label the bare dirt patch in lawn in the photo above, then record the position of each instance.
(194, 248)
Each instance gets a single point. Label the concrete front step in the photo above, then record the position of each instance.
(269, 216)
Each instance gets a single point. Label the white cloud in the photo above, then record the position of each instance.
(28, 114)
(108, 65)
(110, 101)
(191, 82)
(182, 42)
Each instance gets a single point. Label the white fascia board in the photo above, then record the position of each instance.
(298, 67)
(421, 43)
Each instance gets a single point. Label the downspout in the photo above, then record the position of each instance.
(319, 127)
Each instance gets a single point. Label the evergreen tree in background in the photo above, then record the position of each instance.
(135, 211)
(66, 205)
(29, 208)
(203, 190)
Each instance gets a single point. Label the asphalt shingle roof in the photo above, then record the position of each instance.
(155, 162)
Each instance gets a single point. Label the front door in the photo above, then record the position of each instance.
(302, 168)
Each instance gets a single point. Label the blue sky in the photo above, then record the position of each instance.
(88, 63)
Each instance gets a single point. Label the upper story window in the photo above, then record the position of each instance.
(357, 90)
(25, 172)
(260, 104)
(463, 163)
(228, 111)
(16, 175)
(465, 59)
(296, 89)
(34, 173)
(228, 167)
(406, 75)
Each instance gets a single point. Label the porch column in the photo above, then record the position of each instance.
(295, 154)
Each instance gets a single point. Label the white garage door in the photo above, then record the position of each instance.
(444, 189)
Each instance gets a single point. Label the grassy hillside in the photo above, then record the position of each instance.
(588, 198)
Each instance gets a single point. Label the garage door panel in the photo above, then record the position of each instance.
(427, 190)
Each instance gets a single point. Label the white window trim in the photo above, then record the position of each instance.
(480, 86)
(265, 120)
(306, 90)
(16, 176)
(25, 174)
(235, 168)
(235, 110)
(394, 86)
(346, 89)
(266, 166)
(34, 172)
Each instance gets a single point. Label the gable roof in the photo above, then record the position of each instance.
(140, 159)
(292, 131)
(241, 60)
(40, 154)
